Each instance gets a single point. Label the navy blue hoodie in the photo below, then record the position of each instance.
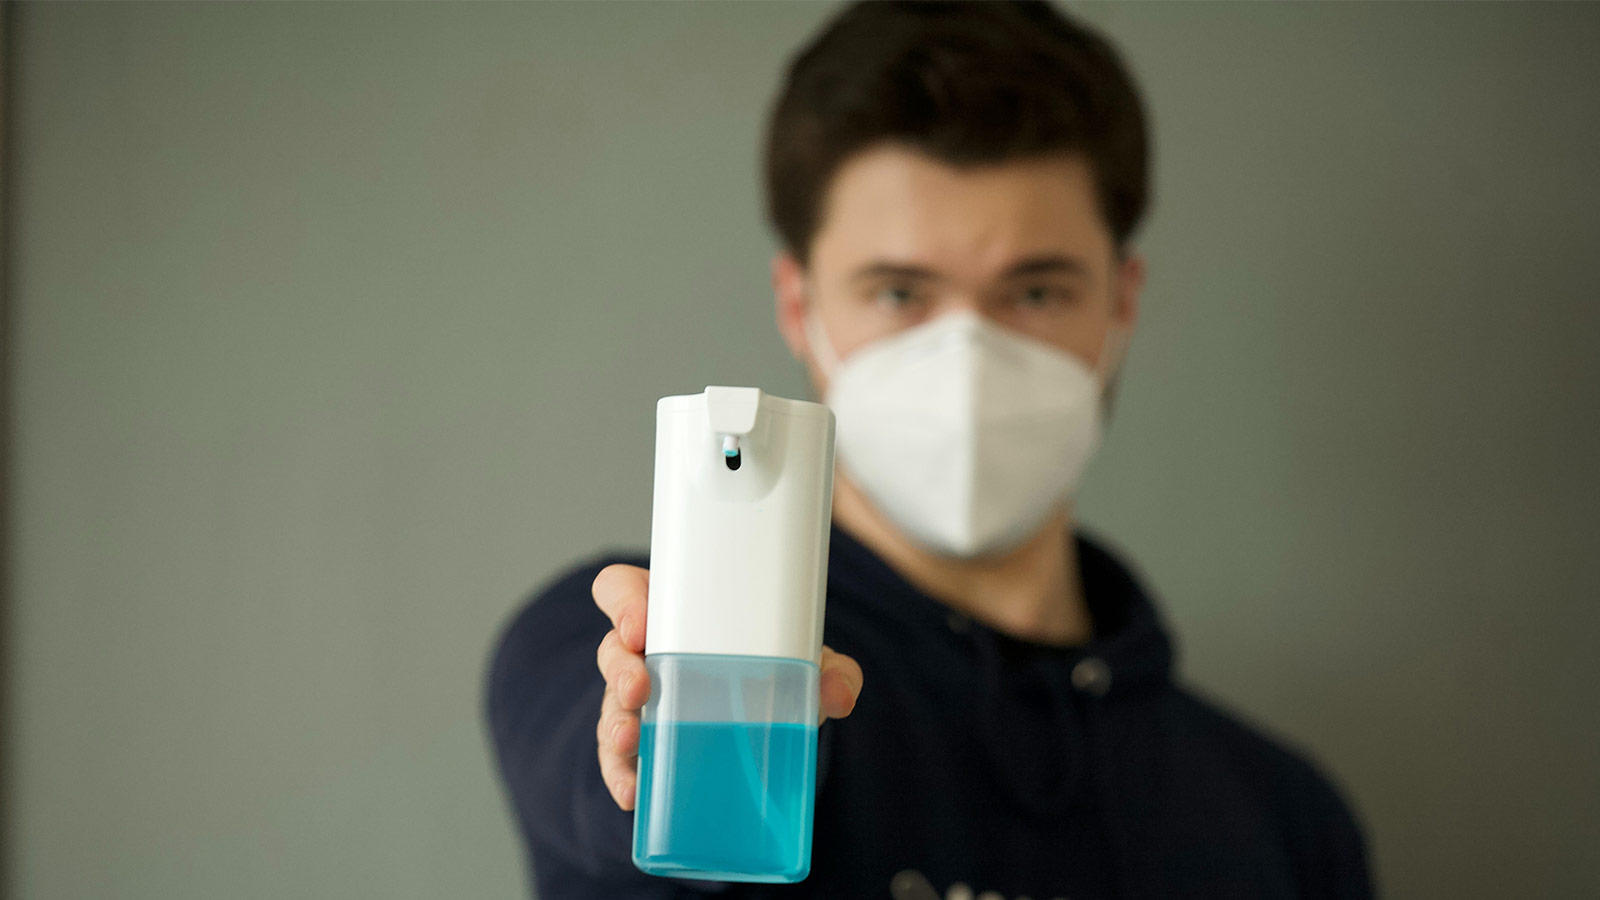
(974, 762)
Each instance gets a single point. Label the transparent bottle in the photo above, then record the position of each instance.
(727, 768)
(738, 571)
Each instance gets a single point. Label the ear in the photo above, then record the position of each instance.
(789, 290)
(1124, 316)
(1125, 303)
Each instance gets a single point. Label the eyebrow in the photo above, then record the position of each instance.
(1048, 264)
(882, 269)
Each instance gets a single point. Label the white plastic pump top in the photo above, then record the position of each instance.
(740, 524)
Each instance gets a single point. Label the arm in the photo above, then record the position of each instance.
(1332, 854)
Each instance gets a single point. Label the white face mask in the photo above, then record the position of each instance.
(968, 436)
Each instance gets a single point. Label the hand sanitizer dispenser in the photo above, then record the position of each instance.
(733, 638)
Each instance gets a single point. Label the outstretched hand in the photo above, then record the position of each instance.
(620, 591)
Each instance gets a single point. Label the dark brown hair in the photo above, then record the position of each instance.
(966, 83)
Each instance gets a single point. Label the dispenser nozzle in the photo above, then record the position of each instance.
(731, 412)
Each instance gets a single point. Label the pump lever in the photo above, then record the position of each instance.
(732, 410)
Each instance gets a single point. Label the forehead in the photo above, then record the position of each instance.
(895, 203)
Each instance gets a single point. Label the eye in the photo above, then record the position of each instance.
(897, 296)
(1038, 296)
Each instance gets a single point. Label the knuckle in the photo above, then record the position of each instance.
(639, 687)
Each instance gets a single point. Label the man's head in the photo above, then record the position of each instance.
(924, 157)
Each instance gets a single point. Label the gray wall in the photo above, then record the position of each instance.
(338, 327)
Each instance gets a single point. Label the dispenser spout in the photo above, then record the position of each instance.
(732, 412)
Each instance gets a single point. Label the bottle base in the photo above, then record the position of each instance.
(695, 870)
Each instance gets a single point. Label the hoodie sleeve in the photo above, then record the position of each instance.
(1331, 852)
(543, 699)
(1320, 830)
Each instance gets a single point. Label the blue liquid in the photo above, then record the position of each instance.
(726, 801)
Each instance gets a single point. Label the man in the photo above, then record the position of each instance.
(955, 188)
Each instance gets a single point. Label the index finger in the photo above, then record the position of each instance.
(620, 591)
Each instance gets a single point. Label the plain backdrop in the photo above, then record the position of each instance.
(335, 329)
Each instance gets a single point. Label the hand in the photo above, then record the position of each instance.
(620, 592)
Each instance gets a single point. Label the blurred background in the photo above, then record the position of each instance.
(332, 330)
